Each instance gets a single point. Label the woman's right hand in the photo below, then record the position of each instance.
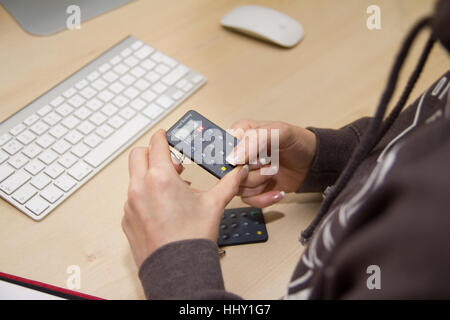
(267, 183)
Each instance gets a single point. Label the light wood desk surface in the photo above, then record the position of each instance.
(333, 76)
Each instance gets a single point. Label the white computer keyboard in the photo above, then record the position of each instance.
(55, 144)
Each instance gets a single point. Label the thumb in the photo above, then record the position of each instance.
(228, 186)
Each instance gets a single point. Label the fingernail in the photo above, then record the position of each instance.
(230, 158)
(279, 196)
(175, 159)
(263, 161)
(244, 171)
(270, 171)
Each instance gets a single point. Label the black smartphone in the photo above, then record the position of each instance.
(203, 142)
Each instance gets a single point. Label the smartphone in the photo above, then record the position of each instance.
(203, 142)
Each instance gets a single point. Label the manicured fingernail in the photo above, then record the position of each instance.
(263, 161)
(279, 196)
(244, 171)
(270, 171)
(230, 158)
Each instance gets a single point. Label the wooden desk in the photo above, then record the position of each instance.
(333, 76)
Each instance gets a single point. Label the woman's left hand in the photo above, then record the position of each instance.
(162, 208)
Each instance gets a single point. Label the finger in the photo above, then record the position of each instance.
(138, 163)
(177, 164)
(228, 186)
(264, 200)
(249, 192)
(255, 179)
(254, 142)
(159, 150)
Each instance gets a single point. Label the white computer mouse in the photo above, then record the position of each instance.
(264, 23)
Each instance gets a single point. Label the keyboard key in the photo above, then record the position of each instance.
(187, 87)
(70, 122)
(131, 61)
(105, 95)
(18, 161)
(97, 118)
(138, 72)
(26, 137)
(79, 170)
(45, 141)
(40, 181)
(141, 84)
(39, 128)
(175, 75)
(31, 150)
(162, 69)
(57, 101)
(5, 171)
(31, 119)
(86, 127)
(104, 131)
(138, 104)
(164, 101)
(77, 101)
(92, 140)
(67, 160)
(3, 156)
(61, 146)
(65, 183)
(116, 87)
(5, 138)
(159, 88)
(93, 75)
(74, 137)
(115, 60)
(69, 92)
(126, 52)
(81, 84)
(37, 205)
(17, 129)
(51, 194)
(58, 131)
(177, 95)
(152, 76)
(131, 93)
(153, 111)
(148, 64)
(127, 79)
(52, 118)
(54, 170)
(110, 76)
(109, 109)
(80, 150)
(120, 101)
(13, 147)
(94, 104)
(24, 193)
(34, 167)
(44, 110)
(127, 113)
(117, 140)
(99, 84)
(48, 156)
(105, 67)
(143, 52)
(116, 122)
(136, 45)
(197, 79)
(88, 93)
(14, 181)
(149, 95)
(121, 69)
(82, 113)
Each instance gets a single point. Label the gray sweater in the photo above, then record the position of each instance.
(392, 219)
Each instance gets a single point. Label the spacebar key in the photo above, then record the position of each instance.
(117, 140)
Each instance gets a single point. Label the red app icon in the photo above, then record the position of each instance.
(200, 129)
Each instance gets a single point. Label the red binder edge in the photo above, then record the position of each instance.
(46, 288)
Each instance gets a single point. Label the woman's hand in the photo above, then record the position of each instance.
(296, 150)
(162, 208)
